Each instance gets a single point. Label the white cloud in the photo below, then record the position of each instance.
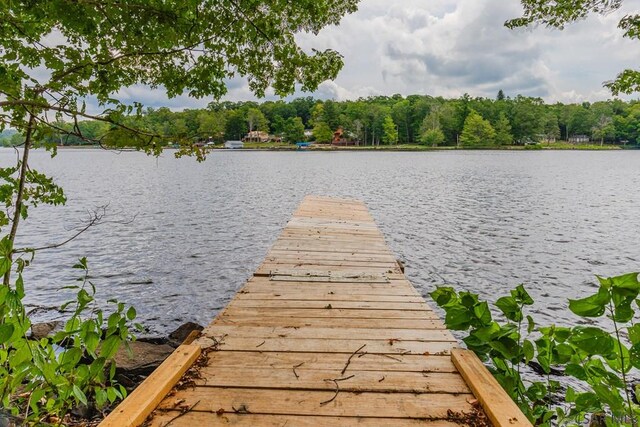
(451, 47)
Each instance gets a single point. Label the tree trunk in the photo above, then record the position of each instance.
(24, 167)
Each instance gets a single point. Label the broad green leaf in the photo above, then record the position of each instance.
(509, 308)
(70, 357)
(91, 340)
(619, 359)
(588, 402)
(530, 324)
(626, 281)
(611, 398)
(591, 306)
(5, 265)
(521, 295)
(528, 350)
(592, 340)
(79, 394)
(458, 318)
(507, 347)
(634, 355)
(6, 331)
(4, 291)
(634, 333)
(483, 313)
(131, 313)
(443, 295)
(110, 346)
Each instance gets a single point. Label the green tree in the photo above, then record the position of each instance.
(433, 137)
(556, 14)
(322, 132)
(389, 131)
(503, 130)
(211, 124)
(401, 114)
(256, 120)
(604, 129)
(294, 130)
(477, 132)
(236, 125)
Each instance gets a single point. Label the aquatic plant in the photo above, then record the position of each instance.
(599, 360)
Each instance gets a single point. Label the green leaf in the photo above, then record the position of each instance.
(619, 359)
(507, 347)
(91, 341)
(592, 306)
(458, 318)
(70, 357)
(521, 295)
(131, 313)
(5, 265)
(634, 355)
(6, 331)
(588, 402)
(482, 312)
(530, 324)
(110, 347)
(634, 333)
(79, 394)
(443, 295)
(20, 286)
(611, 398)
(626, 281)
(509, 308)
(529, 351)
(592, 340)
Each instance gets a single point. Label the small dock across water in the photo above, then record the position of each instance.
(328, 332)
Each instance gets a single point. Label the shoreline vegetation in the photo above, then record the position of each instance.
(411, 123)
(398, 147)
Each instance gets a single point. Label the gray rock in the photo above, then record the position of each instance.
(146, 357)
(179, 335)
(44, 330)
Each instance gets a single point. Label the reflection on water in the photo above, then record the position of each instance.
(485, 221)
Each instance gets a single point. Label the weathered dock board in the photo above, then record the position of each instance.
(329, 332)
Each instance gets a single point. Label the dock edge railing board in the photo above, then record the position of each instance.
(328, 332)
(146, 397)
(499, 407)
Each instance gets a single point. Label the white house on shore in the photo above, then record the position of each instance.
(579, 139)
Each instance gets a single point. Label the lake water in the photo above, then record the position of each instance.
(182, 237)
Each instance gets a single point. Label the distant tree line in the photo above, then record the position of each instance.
(415, 119)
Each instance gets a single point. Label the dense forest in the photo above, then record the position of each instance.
(416, 119)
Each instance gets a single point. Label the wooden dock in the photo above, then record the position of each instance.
(328, 332)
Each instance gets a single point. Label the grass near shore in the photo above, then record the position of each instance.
(417, 147)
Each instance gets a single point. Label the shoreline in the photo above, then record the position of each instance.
(391, 148)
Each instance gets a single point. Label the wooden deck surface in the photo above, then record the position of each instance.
(328, 332)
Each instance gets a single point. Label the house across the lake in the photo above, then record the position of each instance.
(261, 136)
(579, 139)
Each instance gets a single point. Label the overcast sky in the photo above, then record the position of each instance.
(452, 47)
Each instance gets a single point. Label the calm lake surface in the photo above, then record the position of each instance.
(182, 237)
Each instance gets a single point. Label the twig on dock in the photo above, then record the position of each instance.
(349, 360)
(261, 344)
(182, 413)
(335, 381)
(294, 369)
